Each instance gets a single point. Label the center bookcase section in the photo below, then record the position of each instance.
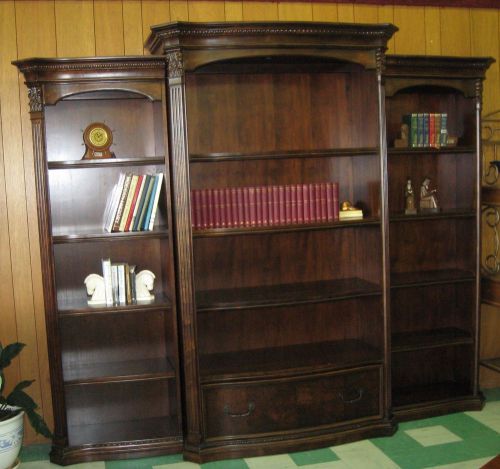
(280, 107)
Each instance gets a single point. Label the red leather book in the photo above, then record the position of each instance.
(276, 205)
(305, 203)
(204, 208)
(281, 205)
(258, 206)
(211, 208)
(140, 178)
(216, 208)
(336, 200)
(194, 214)
(241, 207)
(288, 204)
(252, 207)
(270, 207)
(234, 223)
(265, 205)
(293, 196)
(225, 206)
(299, 203)
(312, 204)
(330, 210)
(322, 201)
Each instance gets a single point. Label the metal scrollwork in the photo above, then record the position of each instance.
(492, 217)
(175, 65)
(35, 97)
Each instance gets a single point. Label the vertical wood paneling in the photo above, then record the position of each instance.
(132, 27)
(75, 28)
(233, 10)
(455, 31)
(17, 205)
(260, 11)
(109, 38)
(179, 10)
(153, 12)
(103, 27)
(345, 13)
(294, 11)
(325, 12)
(35, 41)
(432, 31)
(410, 39)
(206, 10)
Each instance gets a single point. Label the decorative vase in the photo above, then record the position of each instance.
(11, 438)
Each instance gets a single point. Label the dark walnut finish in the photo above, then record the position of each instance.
(435, 257)
(284, 328)
(114, 370)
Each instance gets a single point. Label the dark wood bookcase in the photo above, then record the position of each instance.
(435, 257)
(284, 327)
(293, 334)
(114, 369)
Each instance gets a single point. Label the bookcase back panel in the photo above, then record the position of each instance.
(460, 110)
(136, 125)
(432, 245)
(263, 112)
(432, 307)
(453, 176)
(114, 338)
(79, 197)
(70, 276)
(250, 329)
(358, 176)
(280, 258)
(120, 402)
(447, 365)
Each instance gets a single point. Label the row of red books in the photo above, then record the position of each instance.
(234, 207)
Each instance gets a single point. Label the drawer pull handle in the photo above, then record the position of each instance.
(357, 398)
(251, 408)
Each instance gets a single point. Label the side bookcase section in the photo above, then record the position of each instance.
(283, 302)
(112, 338)
(434, 236)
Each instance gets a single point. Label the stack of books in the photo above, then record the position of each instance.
(119, 282)
(427, 129)
(257, 206)
(133, 203)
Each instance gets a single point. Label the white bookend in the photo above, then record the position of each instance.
(106, 273)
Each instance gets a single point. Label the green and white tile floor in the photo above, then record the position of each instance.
(458, 441)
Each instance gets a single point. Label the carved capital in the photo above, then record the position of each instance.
(380, 60)
(35, 97)
(478, 91)
(175, 65)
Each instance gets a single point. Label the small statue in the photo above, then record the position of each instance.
(403, 141)
(349, 211)
(95, 287)
(409, 199)
(428, 198)
(144, 283)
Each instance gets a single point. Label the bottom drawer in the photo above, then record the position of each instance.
(276, 405)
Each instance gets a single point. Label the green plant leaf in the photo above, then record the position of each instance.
(10, 352)
(20, 399)
(38, 424)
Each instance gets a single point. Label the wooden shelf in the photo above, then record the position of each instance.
(106, 163)
(414, 395)
(440, 337)
(126, 431)
(285, 294)
(287, 360)
(431, 151)
(130, 370)
(441, 215)
(367, 221)
(76, 304)
(325, 153)
(430, 277)
(96, 236)
(491, 363)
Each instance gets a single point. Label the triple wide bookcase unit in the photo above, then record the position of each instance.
(283, 319)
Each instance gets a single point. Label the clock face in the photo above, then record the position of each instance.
(98, 137)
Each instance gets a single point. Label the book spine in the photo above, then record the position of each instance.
(281, 205)
(323, 201)
(110, 212)
(432, 130)
(425, 130)
(211, 208)
(147, 183)
(156, 201)
(121, 203)
(147, 198)
(299, 197)
(258, 206)
(241, 207)
(132, 284)
(133, 205)
(217, 211)
(224, 208)
(293, 201)
(106, 274)
(443, 138)
(204, 208)
(306, 204)
(265, 205)
(149, 208)
(114, 283)
(329, 202)
(128, 203)
(252, 208)
(420, 130)
(122, 296)
(128, 287)
(437, 130)
(276, 205)
(234, 207)
(414, 130)
(336, 200)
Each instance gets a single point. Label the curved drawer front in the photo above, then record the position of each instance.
(275, 405)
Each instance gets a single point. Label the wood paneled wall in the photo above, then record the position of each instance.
(115, 27)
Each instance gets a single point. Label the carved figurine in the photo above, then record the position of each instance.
(349, 211)
(95, 287)
(428, 198)
(144, 283)
(409, 198)
(403, 141)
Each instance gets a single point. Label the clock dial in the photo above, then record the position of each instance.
(98, 137)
